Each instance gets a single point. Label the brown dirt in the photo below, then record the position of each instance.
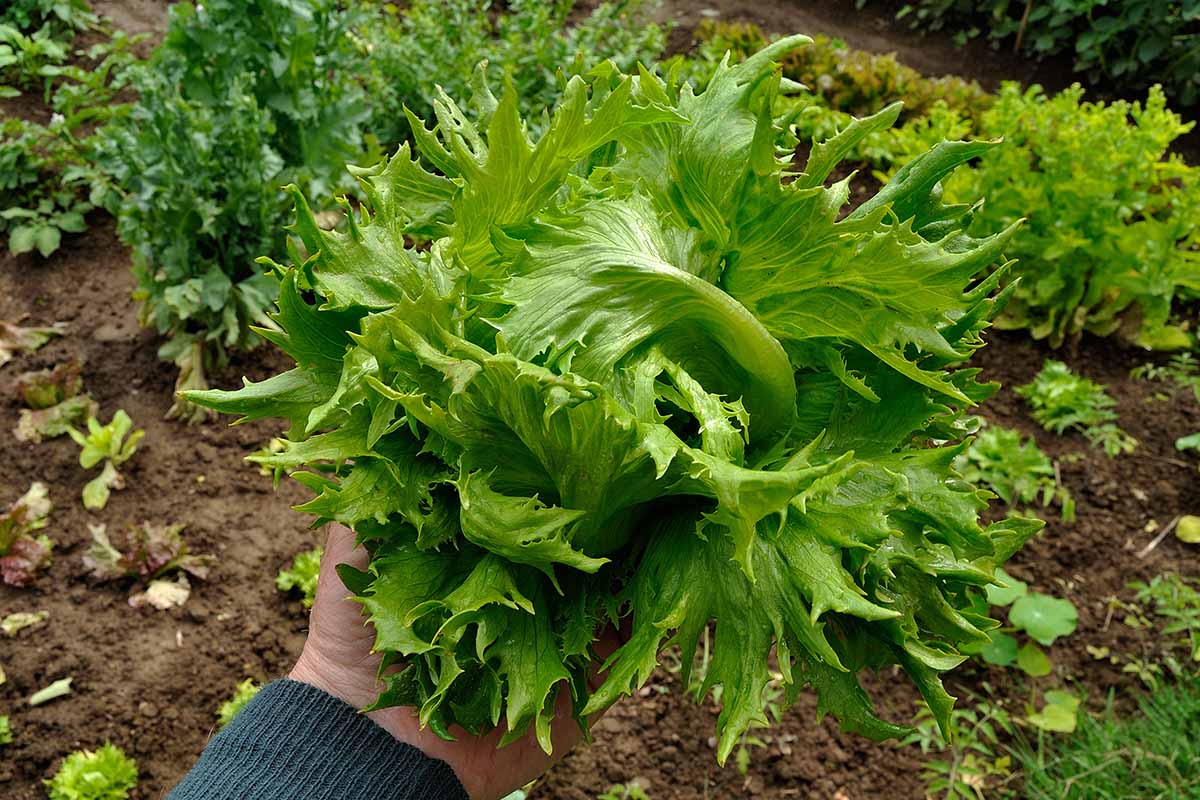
(150, 681)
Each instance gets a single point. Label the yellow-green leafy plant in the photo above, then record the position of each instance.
(644, 373)
(1112, 233)
(102, 774)
(1062, 400)
(113, 444)
(242, 694)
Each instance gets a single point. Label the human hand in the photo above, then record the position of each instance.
(337, 659)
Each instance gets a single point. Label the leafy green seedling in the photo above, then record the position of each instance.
(1042, 618)
(6, 736)
(243, 694)
(625, 791)
(972, 756)
(1059, 712)
(302, 575)
(104, 774)
(1015, 469)
(114, 444)
(24, 58)
(55, 402)
(1061, 401)
(28, 513)
(147, 551)
(1183, 369)
(22, 554)
(1177, 598)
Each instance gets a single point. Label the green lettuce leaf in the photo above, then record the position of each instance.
(643, 374)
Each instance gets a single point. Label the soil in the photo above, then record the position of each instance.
(150, 681)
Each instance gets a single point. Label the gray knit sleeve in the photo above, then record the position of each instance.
(295, 742)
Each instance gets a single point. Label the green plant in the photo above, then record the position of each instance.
(296, 58)
(13, 338)
(1177, 598)
(149, 551)
(23, 59)
(87, 91)
(641, 374)
(973, 745)
(242, 694)
(103, 774)
(1040, 617)
(435, 45)
(107, 443)
(28, 513)
(6, 735)
(624, 791)
(22, 554)
(48, 177)
(239, 99)
(1182, 369)
(1015, 469)
(302, 575)
(1113, 226)
(1132, 44)
(60, 16)
(1061, 400)
(200, 203)
(39, 202)
(1148, 754)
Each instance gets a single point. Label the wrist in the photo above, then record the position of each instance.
(359, 692)
(319, 673)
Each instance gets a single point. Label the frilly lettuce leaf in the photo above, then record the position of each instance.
(641, 372)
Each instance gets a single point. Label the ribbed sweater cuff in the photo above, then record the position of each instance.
(295, 741)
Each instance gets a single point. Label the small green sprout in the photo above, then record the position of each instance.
(107, 443)
(104, 774)
(303, 575)
(243, 694)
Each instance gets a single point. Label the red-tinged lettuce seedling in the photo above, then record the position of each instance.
(644, 373)
(56, 402)
(22, 554)
(302, 575)
(148, 551)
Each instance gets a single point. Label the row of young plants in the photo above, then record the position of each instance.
(1131, 44)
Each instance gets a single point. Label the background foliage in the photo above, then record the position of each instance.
(1132, 43)
(1112, 221)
